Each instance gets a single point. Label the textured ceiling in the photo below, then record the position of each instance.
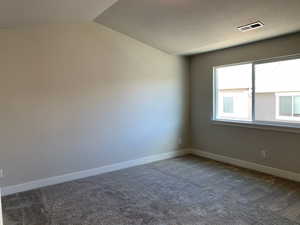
(31, 12)
(195, 26)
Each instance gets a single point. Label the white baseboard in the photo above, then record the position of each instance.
(123, 165)
(91, 172)
(249, 165)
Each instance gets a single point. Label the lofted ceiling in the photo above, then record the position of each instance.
(175, 26)
(31, 12)
(196, 26)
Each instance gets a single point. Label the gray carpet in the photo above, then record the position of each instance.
(181, 191)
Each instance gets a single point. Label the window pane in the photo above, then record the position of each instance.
(297, 106)
(233, 92)
(285, 105)
(276, 84)
(228, 104)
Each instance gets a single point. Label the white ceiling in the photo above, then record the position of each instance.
(175, 26)
(195, 26)
(30, 12)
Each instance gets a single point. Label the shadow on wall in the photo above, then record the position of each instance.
(70, 104)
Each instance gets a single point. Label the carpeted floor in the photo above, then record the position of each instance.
(181, 191)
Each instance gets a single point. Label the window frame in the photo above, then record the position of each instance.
(253, 123)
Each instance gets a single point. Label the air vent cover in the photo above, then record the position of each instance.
(251, 26)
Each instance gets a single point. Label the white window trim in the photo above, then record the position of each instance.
(287, 126)
(286, 118)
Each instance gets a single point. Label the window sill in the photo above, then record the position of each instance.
(291, 128)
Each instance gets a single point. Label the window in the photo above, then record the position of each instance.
(285, 104)
(262, 92)
(228, 104)
(296, 105)
(288, 107)
(233, 84)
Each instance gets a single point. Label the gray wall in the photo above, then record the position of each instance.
(238, 142)
(75, 97)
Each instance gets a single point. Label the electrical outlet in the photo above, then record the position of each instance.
(1, 173)
(264, 154)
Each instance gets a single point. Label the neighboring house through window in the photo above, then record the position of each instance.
(288, 106)
(228, 104)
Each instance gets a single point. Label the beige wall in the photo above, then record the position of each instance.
(238, 142)
(76, 97)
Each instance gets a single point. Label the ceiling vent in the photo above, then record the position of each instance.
(251, 26)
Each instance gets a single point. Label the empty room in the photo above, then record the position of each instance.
(149, 112)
